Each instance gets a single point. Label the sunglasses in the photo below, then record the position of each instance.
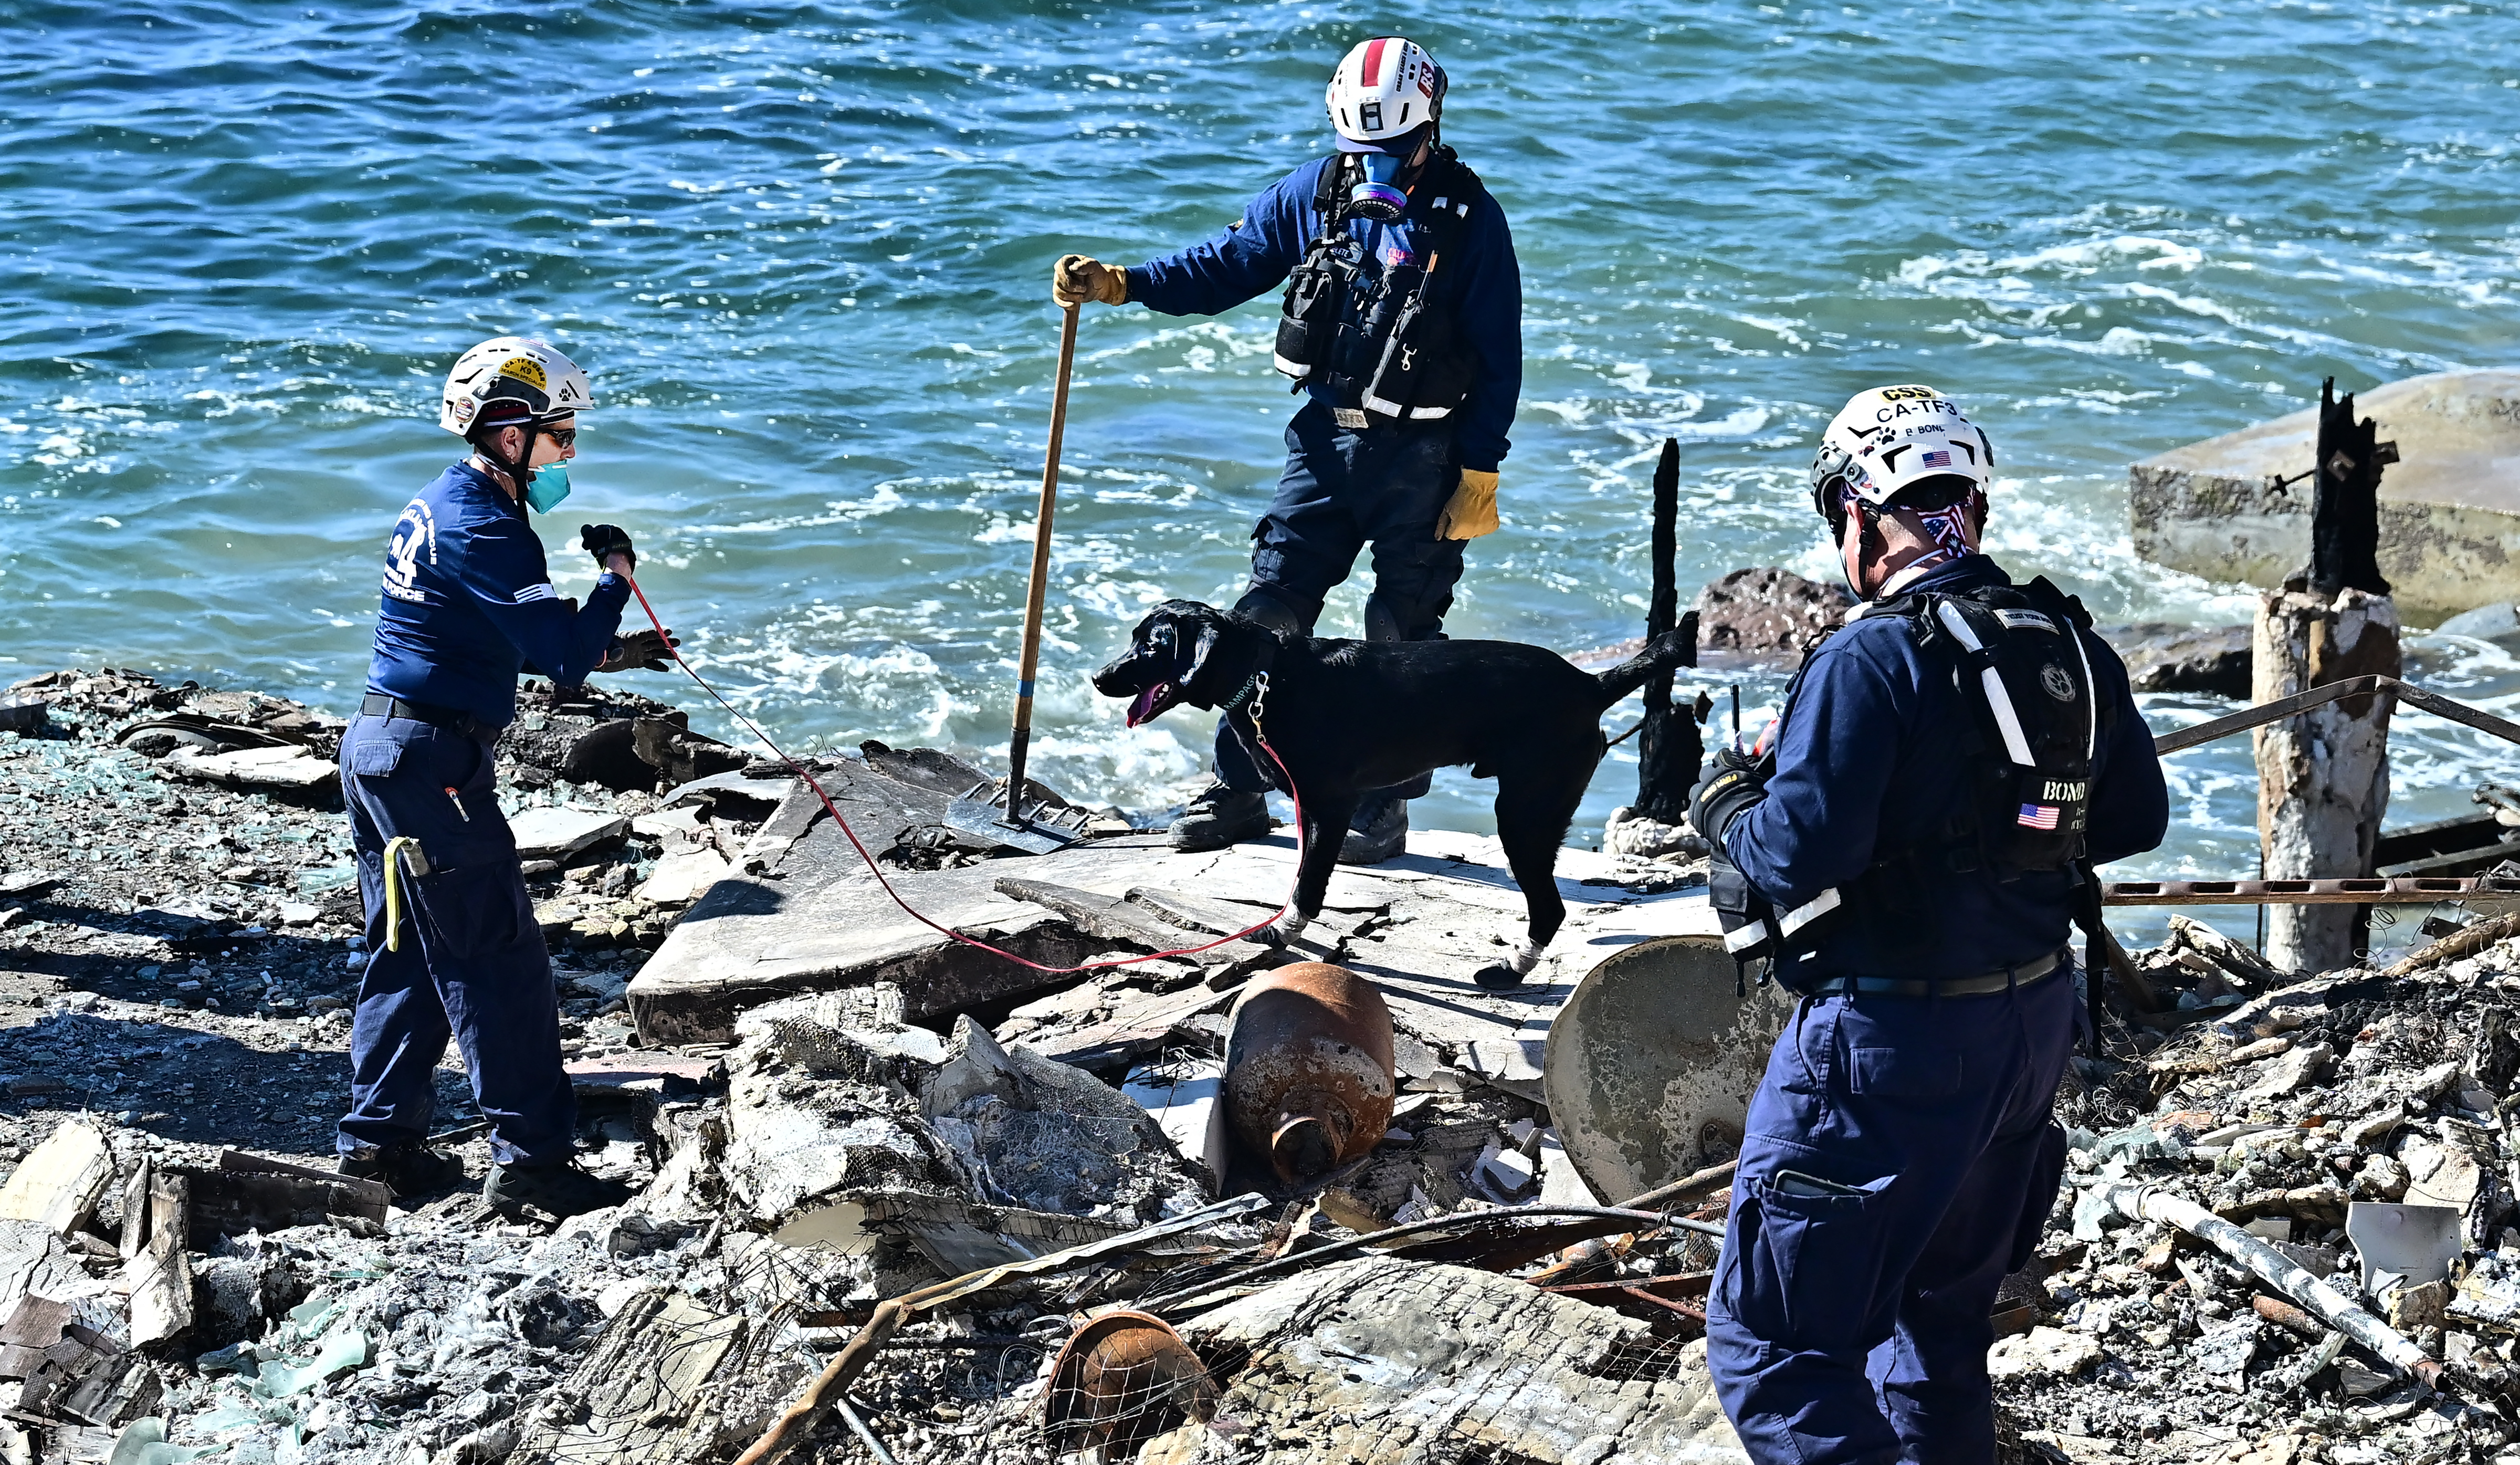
(561, 436)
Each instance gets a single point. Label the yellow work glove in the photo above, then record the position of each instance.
(1471, 510)
(1078, 278)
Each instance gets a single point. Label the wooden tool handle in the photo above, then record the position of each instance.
(1021, 740)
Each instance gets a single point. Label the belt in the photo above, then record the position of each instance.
(1358, 420)
(1956, 986)
(378, 705)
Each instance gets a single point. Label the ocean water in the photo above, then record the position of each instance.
(803, 250)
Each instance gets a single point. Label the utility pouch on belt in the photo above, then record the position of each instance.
(1755, 933)
(1318, 288)
(1747, 920)
(1422, 374)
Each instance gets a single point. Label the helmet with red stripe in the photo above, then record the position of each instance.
(1385, 89)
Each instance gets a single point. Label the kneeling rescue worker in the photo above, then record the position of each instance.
(1906, 858)
(452, 940)
(1403, 327)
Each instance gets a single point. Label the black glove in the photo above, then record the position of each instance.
(1733, 785)
(640, 650)
(604, 540)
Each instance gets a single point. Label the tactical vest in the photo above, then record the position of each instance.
(2017, 657)
(1384, 345)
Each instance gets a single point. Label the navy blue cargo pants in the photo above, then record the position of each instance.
(1342, 489)
(472, 965)
(1900, 1159)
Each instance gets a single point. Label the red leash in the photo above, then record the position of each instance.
(859, 844)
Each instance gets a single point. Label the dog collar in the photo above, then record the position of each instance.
(1243, 693)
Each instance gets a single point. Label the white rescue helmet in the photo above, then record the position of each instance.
(1887, 441)
(510, 381)
(1385, 89)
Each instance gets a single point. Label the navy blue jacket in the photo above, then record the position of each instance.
(468, 600)
(1872, 758)
(1479, 278)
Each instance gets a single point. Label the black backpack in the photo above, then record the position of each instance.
(2018, 655)
(2018, 661)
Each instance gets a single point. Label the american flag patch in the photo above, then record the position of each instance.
(532, 593)
(1938, 458)
(2039, 815)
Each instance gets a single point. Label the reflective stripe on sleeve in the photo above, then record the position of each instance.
(1809, 911)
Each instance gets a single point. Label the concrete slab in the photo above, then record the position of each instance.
(2450, 507)
(285, 767)
(681, 877)
(1422, 1362)
(814, 919)
(558, 833)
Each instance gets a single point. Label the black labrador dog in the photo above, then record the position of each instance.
(1344, 717)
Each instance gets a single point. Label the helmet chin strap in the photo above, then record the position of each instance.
(1855, 530)
(519, 475)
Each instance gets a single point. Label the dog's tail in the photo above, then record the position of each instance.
(1673, 648)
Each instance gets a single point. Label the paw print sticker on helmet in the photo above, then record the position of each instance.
(1886, 440)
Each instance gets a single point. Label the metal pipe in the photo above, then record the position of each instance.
(883, 1456)
(2396, 889)
(1286, 1264)
(2276, 1269)
(1684, 1190)
(2337, 690)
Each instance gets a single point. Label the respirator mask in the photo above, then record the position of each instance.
(1381, 194)
(1378, 196)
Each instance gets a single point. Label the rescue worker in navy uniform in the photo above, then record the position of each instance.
(454, 948)
(1906, 856)
(1403, 327)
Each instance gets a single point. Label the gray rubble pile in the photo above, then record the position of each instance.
(2360, 1126)
(179, 951)
(2289, 1231)
(179, 1272)
(440, 1335)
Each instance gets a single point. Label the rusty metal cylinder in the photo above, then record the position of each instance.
(1309, 1078)
(1124, 1378)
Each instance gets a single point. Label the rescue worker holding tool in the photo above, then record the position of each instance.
(454, 948)
(1402, 326)
(1905, 853)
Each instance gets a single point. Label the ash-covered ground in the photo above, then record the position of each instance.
(177, 955)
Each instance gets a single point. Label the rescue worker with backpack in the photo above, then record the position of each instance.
(1402, 326)
(453, 946)
(1905, 852)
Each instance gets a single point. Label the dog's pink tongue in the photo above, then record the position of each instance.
(1144, 706)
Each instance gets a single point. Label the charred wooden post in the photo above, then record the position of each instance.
(1655, 826)
(2345, 512)
(1670, 750)
(2323, 775)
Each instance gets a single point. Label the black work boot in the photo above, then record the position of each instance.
(557, 1190)
(407, 1167)
(1220, 816)
(1378, 830)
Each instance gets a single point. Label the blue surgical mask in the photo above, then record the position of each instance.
(1379, 197)
(548, 486)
